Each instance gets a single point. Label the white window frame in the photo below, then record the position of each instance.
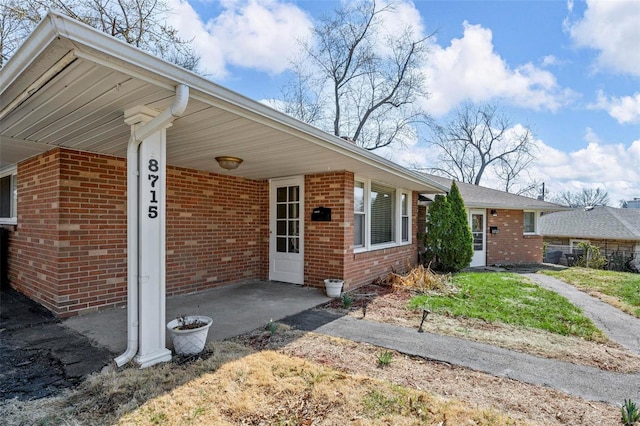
(536, 216)
(367, 246)
(13, 220)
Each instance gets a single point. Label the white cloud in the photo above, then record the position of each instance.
(470, 69)
(625, 109)
(258, 34)
(612, 28)
(550, 60)
(614, 168)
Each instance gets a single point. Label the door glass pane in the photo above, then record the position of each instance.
(294, 228)
(477, 225)
(293, 245)
(281, 245)
(293, 211)
(288, 219)
(281, 196)
(281, 211)
(294, 193)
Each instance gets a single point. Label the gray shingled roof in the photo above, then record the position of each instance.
(475, 196)
(597, 222)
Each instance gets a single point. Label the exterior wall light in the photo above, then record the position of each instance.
(229, 163)
(494, 212)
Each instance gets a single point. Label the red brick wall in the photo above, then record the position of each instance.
(510, 245)
(69, 249)
(216, 230)
(33, 248)
(363, 268)
(326, 243)
(329, 245)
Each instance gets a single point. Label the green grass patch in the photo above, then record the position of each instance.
(624, 286)
(395, 400)
(510, 299)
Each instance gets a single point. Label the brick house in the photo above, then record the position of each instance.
(116, 185)
(616, 232)
(505, 226)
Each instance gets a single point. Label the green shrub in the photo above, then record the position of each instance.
(448, 240)
(591, 257)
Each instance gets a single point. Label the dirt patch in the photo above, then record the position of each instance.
(382, 304)
(528, 404)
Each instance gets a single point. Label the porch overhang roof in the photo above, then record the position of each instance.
(69, 85)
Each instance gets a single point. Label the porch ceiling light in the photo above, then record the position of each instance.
(229, 163)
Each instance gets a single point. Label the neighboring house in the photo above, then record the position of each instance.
(504, 226)
(616, 232)
(632, 204)
(97, 135)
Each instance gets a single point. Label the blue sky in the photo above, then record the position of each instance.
(569, 70)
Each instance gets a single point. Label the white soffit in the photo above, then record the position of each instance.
(81, 107)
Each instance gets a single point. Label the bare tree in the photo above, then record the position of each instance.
(302, 95)
(357, 81)
(17, 20)
(480, 138)
(141, 23)
(588, 197)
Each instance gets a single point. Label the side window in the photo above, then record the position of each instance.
(530, 222)
(8, 198)
(381, 215)
(359, 215)
(404, 202)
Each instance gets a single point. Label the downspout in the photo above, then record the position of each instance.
(175, 110)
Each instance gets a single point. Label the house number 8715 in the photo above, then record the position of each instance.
(153, 177)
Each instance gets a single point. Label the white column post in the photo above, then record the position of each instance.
(151, 240)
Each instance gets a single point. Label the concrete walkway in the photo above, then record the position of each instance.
(617, 325)
(586, 382)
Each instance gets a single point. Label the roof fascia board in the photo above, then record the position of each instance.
(92, 45)
(35, 44)
(511, 207)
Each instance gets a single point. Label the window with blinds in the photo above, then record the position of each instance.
(381, 215)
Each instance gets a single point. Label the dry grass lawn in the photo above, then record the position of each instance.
(298, 378)
(385, 305)
(272, 388)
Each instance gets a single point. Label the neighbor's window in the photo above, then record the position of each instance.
(530, 222)
(381, 215)
(8, 198)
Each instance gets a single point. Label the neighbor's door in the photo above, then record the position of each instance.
(478, 227)
(286, 233)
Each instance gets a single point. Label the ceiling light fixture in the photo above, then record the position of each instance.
(229, 163)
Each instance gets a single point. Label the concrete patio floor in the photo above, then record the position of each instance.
(235, 309)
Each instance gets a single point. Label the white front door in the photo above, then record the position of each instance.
(478, 228)
(286, 233)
